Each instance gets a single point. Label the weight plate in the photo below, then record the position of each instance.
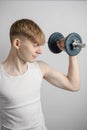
(52, 42)
(69, 46)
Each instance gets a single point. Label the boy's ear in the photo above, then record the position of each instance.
(16, 43)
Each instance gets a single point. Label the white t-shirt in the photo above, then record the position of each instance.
(20, 96)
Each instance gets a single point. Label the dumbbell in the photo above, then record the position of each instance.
(72, 43)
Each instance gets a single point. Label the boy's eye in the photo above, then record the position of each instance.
(35, 45)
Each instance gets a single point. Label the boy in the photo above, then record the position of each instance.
(21, 77)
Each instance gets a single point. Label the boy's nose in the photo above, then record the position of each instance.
(39, 51)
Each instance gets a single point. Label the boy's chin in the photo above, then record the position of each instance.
(31, 61)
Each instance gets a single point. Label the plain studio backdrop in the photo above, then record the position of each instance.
(63, 110)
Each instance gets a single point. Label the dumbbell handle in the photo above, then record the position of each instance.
(76, 45)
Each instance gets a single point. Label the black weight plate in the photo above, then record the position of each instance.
(68, 44)
(52, 42)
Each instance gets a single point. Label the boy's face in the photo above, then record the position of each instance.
(28, 51)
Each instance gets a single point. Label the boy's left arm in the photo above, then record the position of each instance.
(70, 82)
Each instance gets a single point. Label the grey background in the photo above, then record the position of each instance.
(63, 110)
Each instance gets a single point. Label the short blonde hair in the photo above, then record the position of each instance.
(29, 29)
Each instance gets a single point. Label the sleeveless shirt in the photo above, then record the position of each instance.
(20, 98)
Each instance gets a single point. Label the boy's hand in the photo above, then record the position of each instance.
(60, 44)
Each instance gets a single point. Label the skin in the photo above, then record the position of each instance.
(27, 51)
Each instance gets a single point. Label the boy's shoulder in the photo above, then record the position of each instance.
(43, 64)
(45, 67)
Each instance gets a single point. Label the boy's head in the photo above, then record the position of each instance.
(28, 29)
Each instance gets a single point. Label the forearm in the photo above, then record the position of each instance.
(74, 73)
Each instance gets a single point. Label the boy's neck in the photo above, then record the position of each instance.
(13, 65)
